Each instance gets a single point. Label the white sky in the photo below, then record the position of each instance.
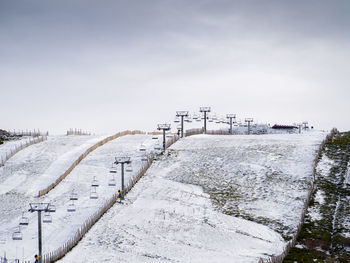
(107, 66)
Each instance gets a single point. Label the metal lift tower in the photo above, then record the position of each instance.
(122, 160)
(165, 127)
(40, 207)
(182, 114)
(205, 110)
(249, 120)
(231, 117)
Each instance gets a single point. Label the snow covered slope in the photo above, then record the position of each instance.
(31, 169)
(263, 178)
(35, 166)
(8, 146)
(166, 221)
(212, 199)
(20, 178)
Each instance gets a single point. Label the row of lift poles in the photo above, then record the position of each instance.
(231, 117)
(183, 114)
(47, 207)
(205, 111)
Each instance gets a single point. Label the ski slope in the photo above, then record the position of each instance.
(37, 166)
(34, 168)
(8, 146)
(263, 178)
(210, 199)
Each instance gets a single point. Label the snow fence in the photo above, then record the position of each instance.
(292, 242)
(21, 147)
(82, 156)
(171, 141)
(193, 132)
(209, 132)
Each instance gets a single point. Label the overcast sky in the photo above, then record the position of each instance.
(110, 65)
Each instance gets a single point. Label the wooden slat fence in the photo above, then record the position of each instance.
(82, 156)
(191, 132)
(171, 141)
(35, 133)
(209, 132)
(21, 147)
(217, 132)
(155, 133)
(77, 132)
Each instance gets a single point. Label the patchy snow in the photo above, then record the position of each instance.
(320, 197)
(264, 178)
(167, 221)
(299, 246)
(324, 165)
(347, 176)
(314, 213)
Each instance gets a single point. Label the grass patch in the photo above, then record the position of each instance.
(322, 239)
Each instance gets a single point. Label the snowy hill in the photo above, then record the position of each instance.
(36, 166)
(181, 210)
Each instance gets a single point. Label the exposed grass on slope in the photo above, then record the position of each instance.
(324, 236)
(254, 181)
